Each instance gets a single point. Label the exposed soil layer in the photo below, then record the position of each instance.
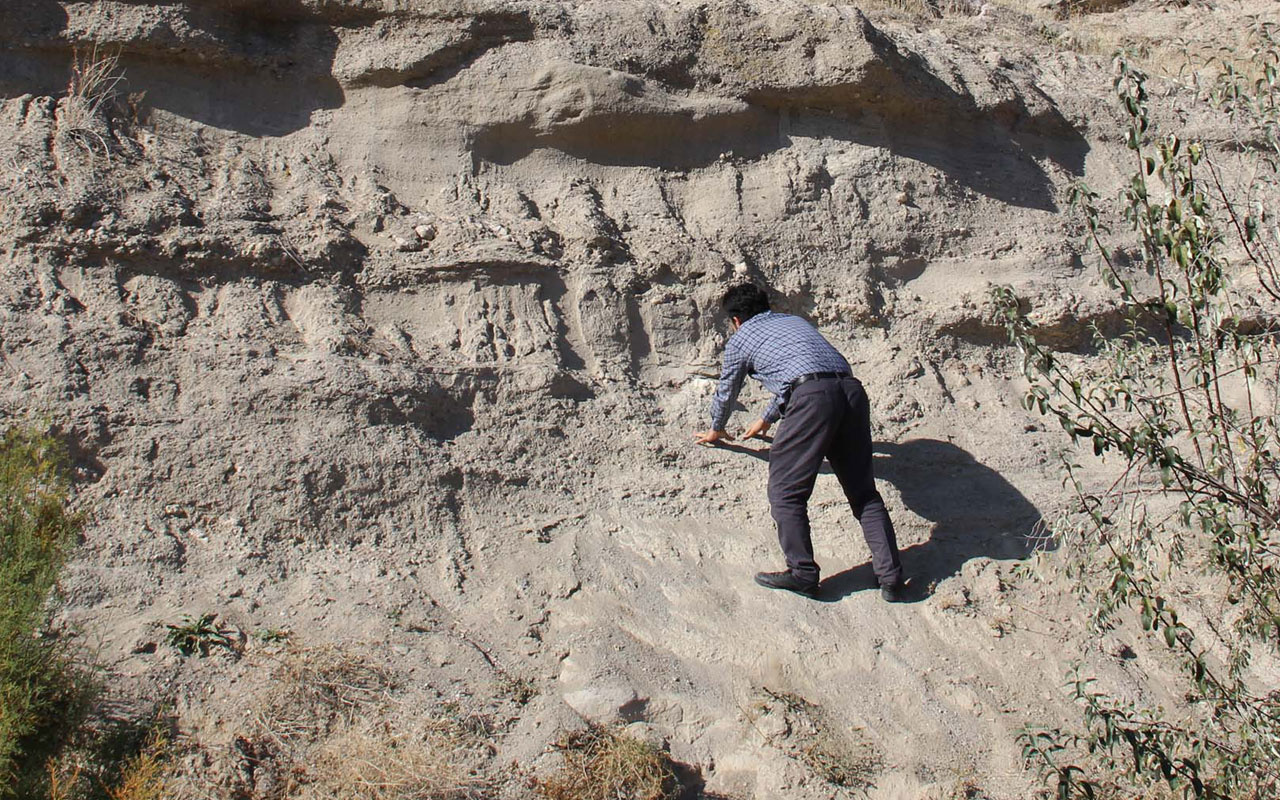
(387, 324)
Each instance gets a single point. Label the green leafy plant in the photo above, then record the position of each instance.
(1184, 403)
(43, 695)
(274, 635)
(198, 636)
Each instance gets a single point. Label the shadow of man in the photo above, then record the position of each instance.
(975, 513)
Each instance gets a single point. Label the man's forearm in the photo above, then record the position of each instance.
(731, 376)
(773, 411)
(719, 417)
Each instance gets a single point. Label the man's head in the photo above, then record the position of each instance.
(744, 301)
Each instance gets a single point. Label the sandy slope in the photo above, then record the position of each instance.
(388, 324)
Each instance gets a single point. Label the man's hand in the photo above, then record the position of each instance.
(711, 437)
(757, 428)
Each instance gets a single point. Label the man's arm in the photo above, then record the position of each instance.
(732, 375)
(772, 412)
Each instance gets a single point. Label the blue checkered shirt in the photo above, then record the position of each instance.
(775, 349)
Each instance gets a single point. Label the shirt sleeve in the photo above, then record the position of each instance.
(773, 412)
(732, 375)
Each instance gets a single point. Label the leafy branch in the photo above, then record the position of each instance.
(1186, 399)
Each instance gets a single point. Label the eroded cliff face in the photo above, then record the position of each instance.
(388, 323)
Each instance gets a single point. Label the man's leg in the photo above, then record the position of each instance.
(850, 456)
(794, 459)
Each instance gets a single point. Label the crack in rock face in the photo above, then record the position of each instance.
(380, 329)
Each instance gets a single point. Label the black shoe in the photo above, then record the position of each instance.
(788, 581)
(894, 592)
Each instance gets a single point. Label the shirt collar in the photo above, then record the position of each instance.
(753, 319)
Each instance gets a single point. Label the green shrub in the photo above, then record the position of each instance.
(41, 694)
(1185, 543)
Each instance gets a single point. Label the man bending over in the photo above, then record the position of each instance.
(824, 413)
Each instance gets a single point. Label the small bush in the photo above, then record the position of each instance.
(42, 695)
(144, 776)
(605, 764)
(1182, 544)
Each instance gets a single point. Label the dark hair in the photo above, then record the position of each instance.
(744, 301)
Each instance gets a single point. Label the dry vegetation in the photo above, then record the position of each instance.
(146, 775)
(95, 78)
(373, 762)
(925, 9)
(839, 755)
(603, 763)
(330, 726)
(314, 690)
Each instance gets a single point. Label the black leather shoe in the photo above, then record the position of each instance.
(894, 592)
(785, 580)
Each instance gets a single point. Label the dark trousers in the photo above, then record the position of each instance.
(828, 418)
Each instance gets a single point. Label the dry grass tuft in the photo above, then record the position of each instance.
(1076, 7)
(314, 690)
(329, 727)
(839, 755)
(605, 764)
(95, 76)
(141, 772)
(375, 763)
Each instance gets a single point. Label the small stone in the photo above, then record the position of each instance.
(604, 703)
(648, 733)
